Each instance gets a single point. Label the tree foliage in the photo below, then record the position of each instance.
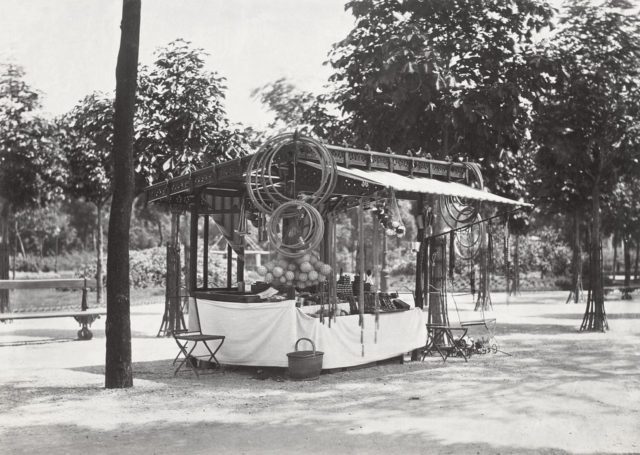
(88, 145)
(296, 109)
(587, 122)
(181, 123)
(454, 78)
(31, 167)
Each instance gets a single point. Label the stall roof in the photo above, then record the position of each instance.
(424, 185)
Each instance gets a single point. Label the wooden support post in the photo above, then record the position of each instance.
(384, 275)
(205, 252)
(330, 258)
(229, 266)
(419, 290)
(193, 240)
(240, 264)
(374, 255)
(361, 270)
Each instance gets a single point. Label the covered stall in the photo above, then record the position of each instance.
(291, 192)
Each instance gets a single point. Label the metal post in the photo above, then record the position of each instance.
(229, 266)
(205, 252)
(240, 263)
(193, 258)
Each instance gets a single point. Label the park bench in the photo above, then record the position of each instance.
(626, 291)
(84, 316)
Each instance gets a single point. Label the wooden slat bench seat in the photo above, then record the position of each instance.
(84, 316)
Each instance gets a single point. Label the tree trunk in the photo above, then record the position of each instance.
(438, 312)
(159, 225)
(627, 261)
(15, 249)
(576, 292)
(21, 243)
(482, 273)
(627, 268)
(5, 215)
(595, 316)
(635, 273)
(615, 258)
(118, 373)
(173, 318)
(100, 258)
(507, 271)
(515, 288)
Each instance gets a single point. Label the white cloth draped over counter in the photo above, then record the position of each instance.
(261, 334)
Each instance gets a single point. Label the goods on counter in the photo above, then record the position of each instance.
(302, 272)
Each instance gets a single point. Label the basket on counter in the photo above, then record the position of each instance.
(305, 365)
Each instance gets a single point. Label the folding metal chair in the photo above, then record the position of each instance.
(187, 341)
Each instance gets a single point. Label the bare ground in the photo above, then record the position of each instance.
(560, 391)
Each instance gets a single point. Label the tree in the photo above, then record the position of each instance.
(454, 79)
(181, 123)
(31, 170)
(622, 220)
(182, 126)
(560, 187)
(88, 150)
(303, 111)
(587, 117)
(39, 224)
(451, 78)
(118, 373)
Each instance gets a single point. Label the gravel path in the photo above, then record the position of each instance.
(560, 391)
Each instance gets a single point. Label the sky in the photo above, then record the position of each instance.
(68, 48)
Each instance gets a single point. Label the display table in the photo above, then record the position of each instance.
(313, 309)
(261, 334)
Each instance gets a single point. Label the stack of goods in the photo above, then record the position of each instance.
(303, 272)
(343, 287)
(355, 286)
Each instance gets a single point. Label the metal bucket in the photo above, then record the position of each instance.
(305, 365)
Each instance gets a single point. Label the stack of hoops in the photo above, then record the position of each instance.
(458, 212)
(271, 188)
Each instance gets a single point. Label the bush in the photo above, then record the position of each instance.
(563, 283)
(147, 268)
(66, 262)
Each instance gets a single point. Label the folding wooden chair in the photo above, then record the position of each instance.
(187, 341)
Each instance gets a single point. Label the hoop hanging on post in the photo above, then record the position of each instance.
(307, 239)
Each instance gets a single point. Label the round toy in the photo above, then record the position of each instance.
(325, 269)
